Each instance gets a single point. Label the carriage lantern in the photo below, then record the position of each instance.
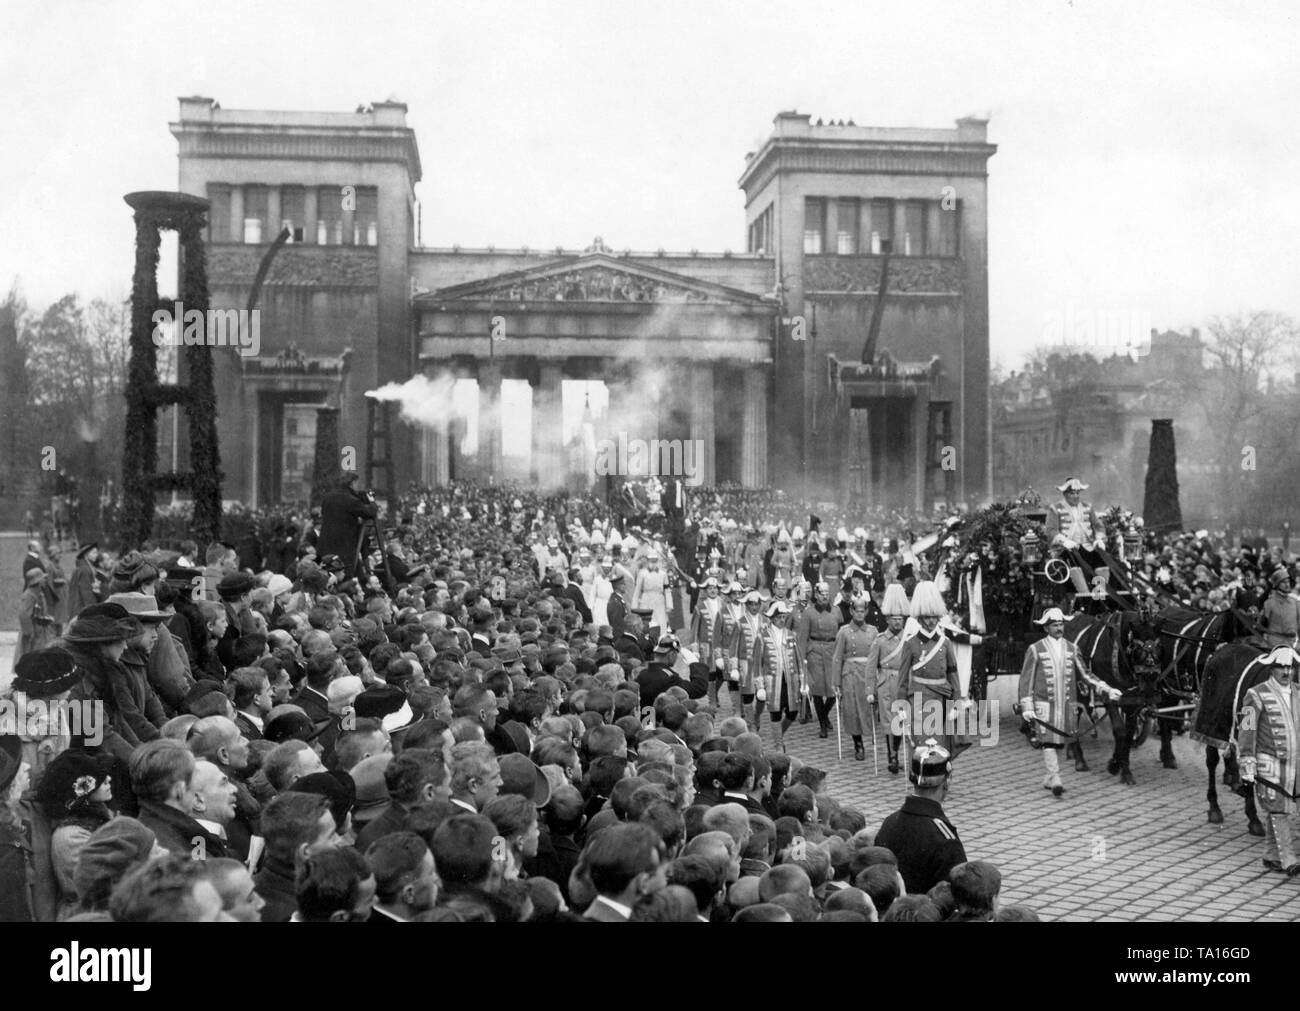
(1132, 545)
(1031, 548)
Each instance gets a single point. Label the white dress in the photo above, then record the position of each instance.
(650, 592)
(600, 593)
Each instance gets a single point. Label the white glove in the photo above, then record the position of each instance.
(735, 674)
(976, 640)
(1115, 695)
(762, 694)
(720, 663)
(1028, 715)
(1067, 543)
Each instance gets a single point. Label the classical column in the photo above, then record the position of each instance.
(310, 209)
(702, 431)
(753, 464)
(489, 419)
(549, 461)
(236, 214)
(272, 228)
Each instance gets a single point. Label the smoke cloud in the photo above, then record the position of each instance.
(422, 400)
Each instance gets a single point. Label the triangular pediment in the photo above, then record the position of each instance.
(592, 277)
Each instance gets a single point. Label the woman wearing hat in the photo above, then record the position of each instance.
(43, 681)
(36, 626)
(74, 794)
(650, 590)
(83, 586)
(1279, 619)
(15, 851)
(97, 639)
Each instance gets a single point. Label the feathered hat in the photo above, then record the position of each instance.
(927, 601)
(895, 602)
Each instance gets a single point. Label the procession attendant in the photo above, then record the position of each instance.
(1072, 524)
(783, 557)
(927, 667)
(1049, 695)
(650, 590)
(726, 637)
(848, 674)
(704, 620)
(749, 656)
(1267, 739)
(784, 678)
(815, 634)
(1279, 619)
(883, 662)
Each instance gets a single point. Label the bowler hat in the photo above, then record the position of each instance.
(521, 776)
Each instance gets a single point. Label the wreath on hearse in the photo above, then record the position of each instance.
(988, 540)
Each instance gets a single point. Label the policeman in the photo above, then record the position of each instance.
(919, 833)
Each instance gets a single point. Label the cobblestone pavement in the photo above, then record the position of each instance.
(1103, 851)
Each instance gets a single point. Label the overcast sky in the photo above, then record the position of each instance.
(1147, 151)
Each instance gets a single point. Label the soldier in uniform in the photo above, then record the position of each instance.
(832, 567)
(1279, 620)
(815, 634)
(882, 665)
(848, 674)
(927, 666)
(616, 605)
(783, 677)
(1268, 740)
(919, 833)
(704, 621)
(1048, 692)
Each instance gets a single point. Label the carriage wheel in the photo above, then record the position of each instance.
(1145, 726)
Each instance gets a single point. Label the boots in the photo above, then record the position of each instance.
(713, 694)
(892, 744)
(859, 752)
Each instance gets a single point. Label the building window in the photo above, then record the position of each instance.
(912, 231)
(293, 212)
(878, 226)
(846, 227)
(329, 216)
(814, 225)
(255, 208)
(760, 232)
(365, 222)
(219, 216)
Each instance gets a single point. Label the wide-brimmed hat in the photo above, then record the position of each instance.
(521, 776)
(1281, 656)
(1050, 615)
(1074, 484)
(103, 623)
(140, 605)
(1279, 576)
(46, 672)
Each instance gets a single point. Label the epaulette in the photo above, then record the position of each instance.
(945, 830)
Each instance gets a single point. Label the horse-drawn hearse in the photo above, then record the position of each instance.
(1178, 670)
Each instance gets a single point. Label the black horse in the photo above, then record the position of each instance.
(1229, 674)
(1188, 639)
(1120, 649)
